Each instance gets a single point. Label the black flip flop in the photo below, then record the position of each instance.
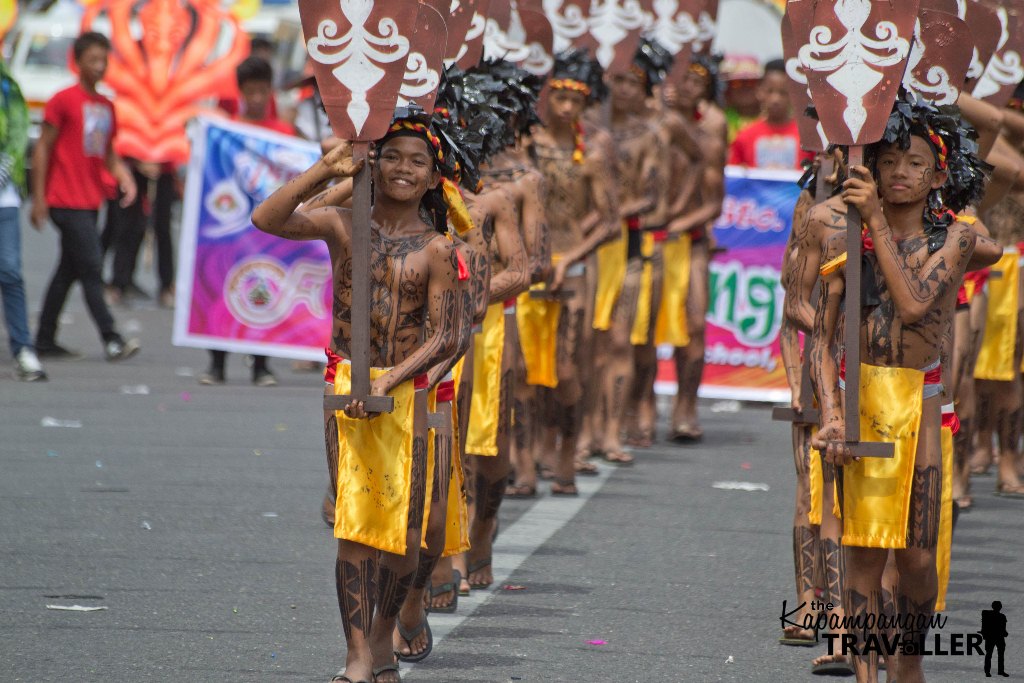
(340, 676)
(475, 567)
(409, 636)
(833, 669)
(798, 642)
(448, 587)
(387, 667)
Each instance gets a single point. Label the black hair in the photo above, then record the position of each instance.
(260, 43)
(654, 60)
(254, 69)
(87, 40)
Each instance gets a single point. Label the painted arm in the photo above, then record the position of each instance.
(339, 194)
(465, 335)
(986, 250)
(535, 227)
(823, 351)
(986, 118)
(514, 279)
(798, 307)
(278, 214)
(442, 316)
(913, 294)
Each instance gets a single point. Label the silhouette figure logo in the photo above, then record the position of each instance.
(993, 630)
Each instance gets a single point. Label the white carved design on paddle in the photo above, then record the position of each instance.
(672, 28)
(706, 31)
(1005, 66)
(854, 59)
(511, 45)
(796, 73)
(977, 67)
(568, 23)
(610, 22)
(936, 86)
(360, 49)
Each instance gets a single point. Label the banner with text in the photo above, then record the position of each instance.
(742, 355)
(240, 289)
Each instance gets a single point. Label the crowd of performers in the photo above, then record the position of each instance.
(940, 376)
(526, 258)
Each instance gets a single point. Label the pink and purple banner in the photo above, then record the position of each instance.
(240, 289)
(745, 296)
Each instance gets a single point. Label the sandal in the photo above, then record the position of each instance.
(475, 567)
(448, 587)
(409, 636)
(387, 667)
(686, 433)
(619, 458)
(520, 491)
(545, 472)
(835, 667)
(585, 468)
(1007, 491)
(340, 676)
(566, 487)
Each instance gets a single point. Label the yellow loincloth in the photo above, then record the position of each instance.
(482, 437)
(611, 273)
(641, 331)
(995, 359)
(815, 478)
(456, 528)
(538, 337)
(671, 325)
(374, 469)
(876, 491)
(945, 540)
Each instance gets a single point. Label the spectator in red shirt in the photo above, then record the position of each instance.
(773, 141)
(74, 149)
(255, 83)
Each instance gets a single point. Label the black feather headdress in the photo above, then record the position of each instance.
(654, 62)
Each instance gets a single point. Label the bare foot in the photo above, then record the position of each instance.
(797, 633)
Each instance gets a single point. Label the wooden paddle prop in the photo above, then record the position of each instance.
(521, 36)
(360, 51)
(854, 55)
(1005, 69)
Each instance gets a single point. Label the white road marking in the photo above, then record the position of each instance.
(513, 547)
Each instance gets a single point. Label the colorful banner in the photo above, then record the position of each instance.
(742, 355)
(240, 289)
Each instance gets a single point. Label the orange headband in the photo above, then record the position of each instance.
(570, 84)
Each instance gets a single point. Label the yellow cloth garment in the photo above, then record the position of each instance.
(538, 337)
(876, 491)
(611, 274)
(815, 478)
(641, 331)
(456, 533)
(945, 540)
(374, 469)
(671, 325)
(482, 437)
(995, 359)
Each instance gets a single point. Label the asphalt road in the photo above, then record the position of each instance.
(191, 514)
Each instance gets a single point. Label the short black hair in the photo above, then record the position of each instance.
(260, 43)
(254, 69)
(778, 65)
(87, 40)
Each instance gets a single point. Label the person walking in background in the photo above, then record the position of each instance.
(74, 149)
(13, 142)
(126, 228)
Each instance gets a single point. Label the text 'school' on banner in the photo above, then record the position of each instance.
(238, 288)
(745, 296)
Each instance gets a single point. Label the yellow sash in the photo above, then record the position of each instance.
(815, 478)
(374, 470)
(611, 273)
(482, 437)
(641, 332)
(876, 491)
(995, 359)
(538, 338)
(945, 540)
(671, 325)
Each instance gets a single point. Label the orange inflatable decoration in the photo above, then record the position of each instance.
(162, 79)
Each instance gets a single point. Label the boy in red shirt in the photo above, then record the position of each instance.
(74, 149)
(773, 141)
